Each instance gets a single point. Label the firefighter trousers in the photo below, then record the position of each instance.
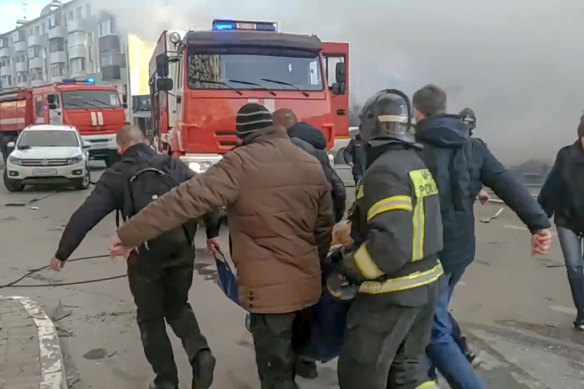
(161, 292)
(276, 338)
(384, 349)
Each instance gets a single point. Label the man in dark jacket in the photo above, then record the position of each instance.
(313, 142)
(160, 286)
(562, 196)
(354, 155)
(461, 165)
(279, 211)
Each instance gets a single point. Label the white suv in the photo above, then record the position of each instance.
(45, 154)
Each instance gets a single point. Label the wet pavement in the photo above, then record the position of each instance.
(515, 308)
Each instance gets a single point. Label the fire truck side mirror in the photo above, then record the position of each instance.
(341, 73)
(164, 84)
(339, 89)
(52, 106)
(162, 65)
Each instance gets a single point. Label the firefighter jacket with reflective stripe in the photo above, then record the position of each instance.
(396, 221)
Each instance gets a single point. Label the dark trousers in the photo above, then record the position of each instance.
(160, 290)
(385, 349)
(276, 339)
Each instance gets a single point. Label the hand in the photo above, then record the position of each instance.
(484, 197)
(56, 264)
(117, 249)
(541, 241)
(214, 245)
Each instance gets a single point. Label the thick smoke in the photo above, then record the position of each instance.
(518, 63)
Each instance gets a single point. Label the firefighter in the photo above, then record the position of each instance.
(397, 230)
(469, 119)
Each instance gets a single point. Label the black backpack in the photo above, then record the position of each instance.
(147, 180)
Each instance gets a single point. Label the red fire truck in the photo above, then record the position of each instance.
(200, 79)
(95, 110)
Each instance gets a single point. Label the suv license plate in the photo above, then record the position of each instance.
(44, 172)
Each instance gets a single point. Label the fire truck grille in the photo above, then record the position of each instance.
(44, 162)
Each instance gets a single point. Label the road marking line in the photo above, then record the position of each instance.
(50, 356)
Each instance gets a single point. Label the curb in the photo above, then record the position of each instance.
(52, 368)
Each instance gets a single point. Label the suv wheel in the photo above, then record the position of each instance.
(11, 184)
(83, 183)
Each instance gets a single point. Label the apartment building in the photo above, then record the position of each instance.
(68, 39)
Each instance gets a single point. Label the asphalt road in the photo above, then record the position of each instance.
(516, 308)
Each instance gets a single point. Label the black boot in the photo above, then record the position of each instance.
(203, 368)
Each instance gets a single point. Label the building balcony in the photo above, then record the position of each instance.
(35, 40)
(21, 67)
(6, 71)
(34, 83)
(58, 57)
(75, 25)
(110, 73)
(57, 32)
(5, 52)
(21, 84)
(59, 78)
(20, 46)
(79, 51)
(35, 63)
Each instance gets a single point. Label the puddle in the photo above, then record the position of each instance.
(97, 353)
(209, 271)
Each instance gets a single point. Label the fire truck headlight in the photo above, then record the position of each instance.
(195, 166)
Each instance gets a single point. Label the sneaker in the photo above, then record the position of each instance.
(306, 369)
(203, 368)
(162, 386)
(579, 325)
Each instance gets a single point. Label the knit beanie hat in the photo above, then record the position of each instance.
(250, 118)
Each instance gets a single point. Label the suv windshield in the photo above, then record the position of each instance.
(48, 138)
(252, 71)
(90, 99)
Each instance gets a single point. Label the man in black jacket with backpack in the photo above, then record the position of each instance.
(160, 273)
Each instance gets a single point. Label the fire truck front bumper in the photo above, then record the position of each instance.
(101, 145)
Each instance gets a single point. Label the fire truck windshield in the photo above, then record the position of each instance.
(90, 99)
(252, 71)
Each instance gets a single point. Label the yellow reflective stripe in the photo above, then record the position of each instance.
(427, 385)
(419, 221)
(411, 281)
(424, 186)
(360, 193)
(365, 264)
(393, 203)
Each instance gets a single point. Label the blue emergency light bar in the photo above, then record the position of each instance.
(78, 80)
(232, 25)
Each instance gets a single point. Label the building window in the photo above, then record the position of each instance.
(39, 106)
(109, 60)
(76, 38)
(57, 69)
(106, 27)
(78, 13)
(70, 15)
(3, 42)
(37, 30)
(77, 65)
(54, 20)
(44, 28)
(87, 10)
(56, 45)
(36, 75)
(34, 52)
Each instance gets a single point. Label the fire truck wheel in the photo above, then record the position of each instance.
(12, 185)
(83, 183)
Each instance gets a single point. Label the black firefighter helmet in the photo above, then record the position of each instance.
(468, 118)
(387, 114)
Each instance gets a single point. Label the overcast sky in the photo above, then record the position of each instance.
(518, 63)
